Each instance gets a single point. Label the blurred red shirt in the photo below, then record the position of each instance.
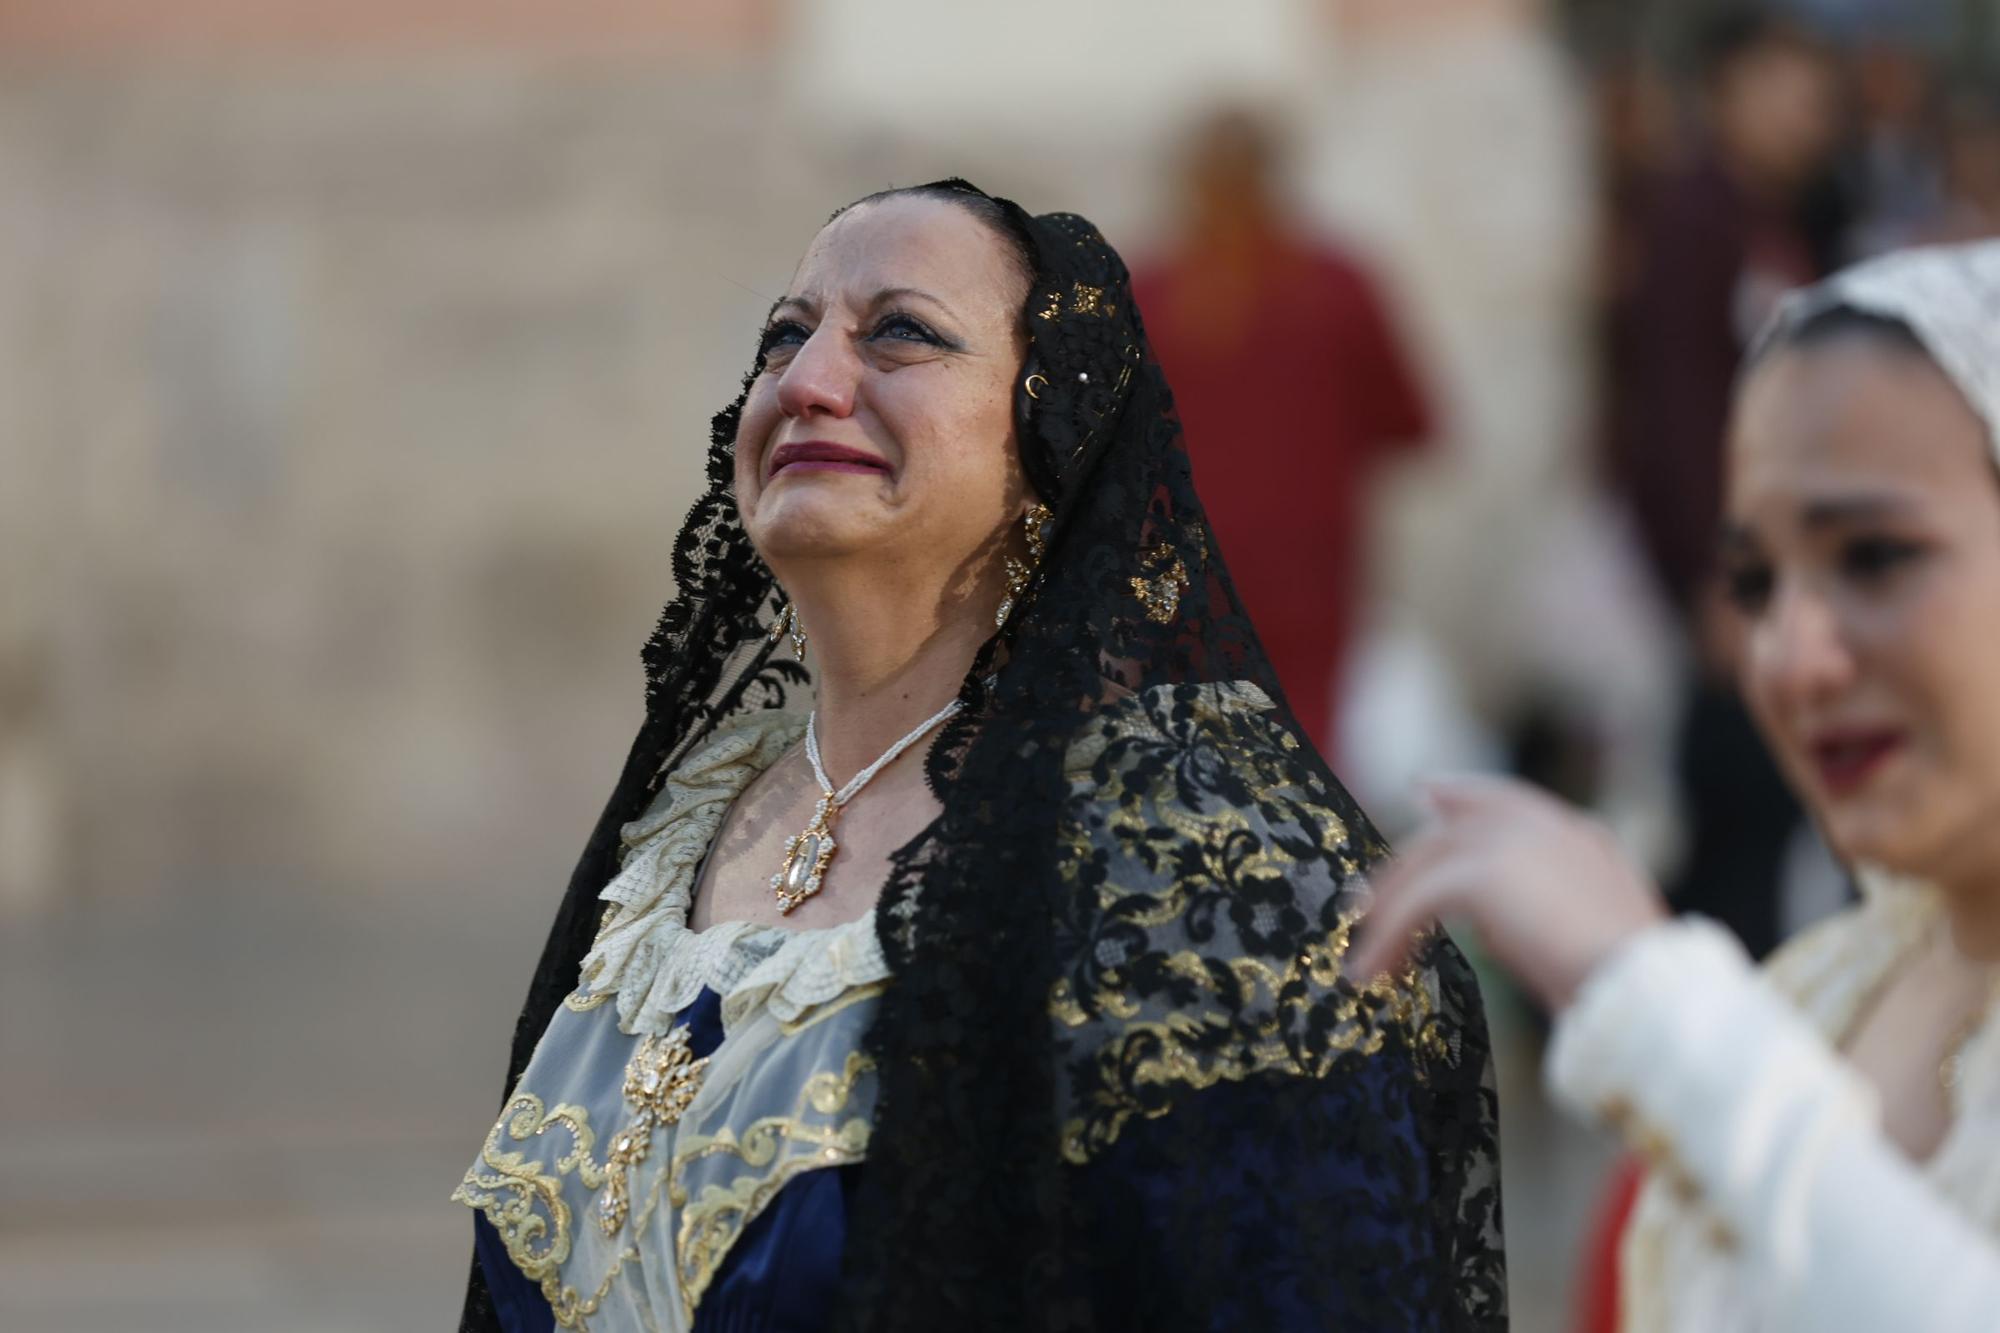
(1292, 388)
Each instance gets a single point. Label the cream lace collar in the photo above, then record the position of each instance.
(645, 953)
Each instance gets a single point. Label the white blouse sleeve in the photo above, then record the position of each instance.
(1680, 1045)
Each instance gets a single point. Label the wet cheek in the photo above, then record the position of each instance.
(1934, 661)
(1758, 683)
(760, 417)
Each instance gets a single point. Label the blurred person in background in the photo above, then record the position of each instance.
(1971, 166)
(1295, 388)
(1721, 240)
(1037, 1019)
(1892, 172)
(1637, 137)
(1824, 1138)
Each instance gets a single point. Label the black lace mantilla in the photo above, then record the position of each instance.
(1124, 1082)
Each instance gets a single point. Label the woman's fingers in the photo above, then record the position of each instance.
(1411, 893)
(1460, 794)
(1383, 943)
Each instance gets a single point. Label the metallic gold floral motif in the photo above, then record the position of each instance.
(571, 1307)
(577, 1002)
(1085, 299)
(525, 1204)
(1176, 1049)
(773, 1151)
(1053, 308)
(1161, 593)
(1192, 841)
(661, 1080)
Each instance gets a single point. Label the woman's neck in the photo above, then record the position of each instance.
(887, 656)
(1965, 884)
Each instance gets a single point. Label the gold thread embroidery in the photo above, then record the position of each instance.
(819, 1013)
(570, 1308)
(1161, 593)
(712, 1221)
(1084, 299)
(1063, 1005)
(1168, 1035)
(577, 1002)
(516, 1185)
(1167, 1052)
(525, 1204)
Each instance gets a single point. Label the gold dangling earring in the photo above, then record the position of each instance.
(788, 622)
(1020, 573)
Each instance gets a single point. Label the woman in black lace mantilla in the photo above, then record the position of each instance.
(963, 946)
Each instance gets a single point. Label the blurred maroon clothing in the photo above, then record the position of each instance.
(1712, 263)
(1292, 386)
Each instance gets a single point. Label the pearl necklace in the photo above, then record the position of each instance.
(809, 853)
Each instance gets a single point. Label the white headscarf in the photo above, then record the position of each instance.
(1948, 296)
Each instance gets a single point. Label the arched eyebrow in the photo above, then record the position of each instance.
(1842, 510)
(1823, 514)
(809, 304)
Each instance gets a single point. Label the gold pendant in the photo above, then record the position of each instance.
(660, 1083)
(806, 858)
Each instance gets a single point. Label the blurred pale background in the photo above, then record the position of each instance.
(355, 365)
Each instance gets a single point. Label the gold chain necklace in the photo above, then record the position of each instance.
(809, 853)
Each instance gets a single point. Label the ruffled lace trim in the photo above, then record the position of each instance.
(647, 957)
(809, 969)
(645, 954)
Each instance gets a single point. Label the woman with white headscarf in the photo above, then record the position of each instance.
(1824, 1137)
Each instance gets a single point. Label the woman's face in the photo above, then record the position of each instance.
(1863, 549)
(881, 425)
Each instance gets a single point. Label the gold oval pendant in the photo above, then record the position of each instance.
(806, 858)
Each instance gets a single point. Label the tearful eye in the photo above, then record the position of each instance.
(907, 328)
(785, 333)
(1870, 559)
(1748, 587)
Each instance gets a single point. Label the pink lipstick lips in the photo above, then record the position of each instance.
(823, 456)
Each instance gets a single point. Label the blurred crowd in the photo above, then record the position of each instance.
(1740, 152)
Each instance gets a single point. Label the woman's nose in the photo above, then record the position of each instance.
(1799, 652)
(821, 377)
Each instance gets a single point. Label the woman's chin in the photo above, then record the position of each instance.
(1896, 829)
(811, 527)
(1869, 832)
(813, 537)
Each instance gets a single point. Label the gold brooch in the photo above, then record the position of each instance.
(660, 1083)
